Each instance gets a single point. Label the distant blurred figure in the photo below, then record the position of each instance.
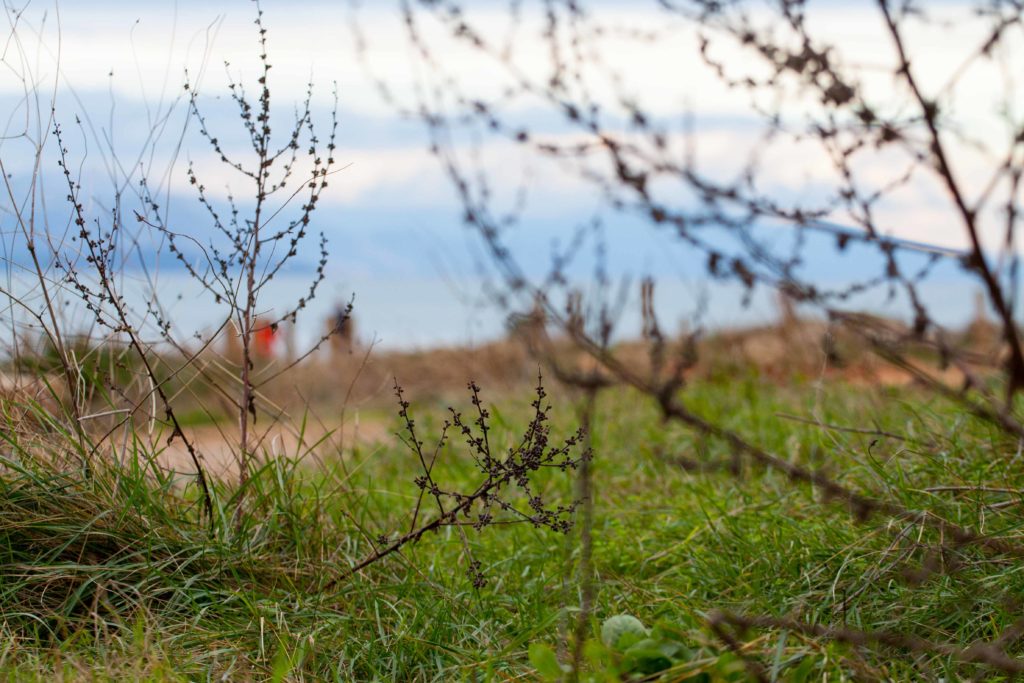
(982, 334)
(529, 327)
(341, 326)
(264, 339)
(575, 316)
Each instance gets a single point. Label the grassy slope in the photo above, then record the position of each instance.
(107, 577)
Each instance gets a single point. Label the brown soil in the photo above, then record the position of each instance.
(218, 445)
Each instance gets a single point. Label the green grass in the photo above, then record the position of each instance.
(109, 573)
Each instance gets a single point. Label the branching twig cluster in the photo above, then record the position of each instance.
(506, 492)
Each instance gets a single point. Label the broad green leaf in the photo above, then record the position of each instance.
(545, 662)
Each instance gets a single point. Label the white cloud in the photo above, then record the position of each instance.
(148, 46)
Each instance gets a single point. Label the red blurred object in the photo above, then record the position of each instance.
(266, 339)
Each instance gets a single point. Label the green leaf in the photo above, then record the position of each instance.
(545, 662)
(614, 628)
(281, 665)
(647, 657)
(628, 640)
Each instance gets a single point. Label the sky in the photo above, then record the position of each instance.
(393, 221)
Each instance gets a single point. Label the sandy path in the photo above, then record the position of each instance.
(218, 446)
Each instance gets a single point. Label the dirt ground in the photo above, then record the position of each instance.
(218, 444)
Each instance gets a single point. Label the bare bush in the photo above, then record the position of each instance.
(557, 93)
